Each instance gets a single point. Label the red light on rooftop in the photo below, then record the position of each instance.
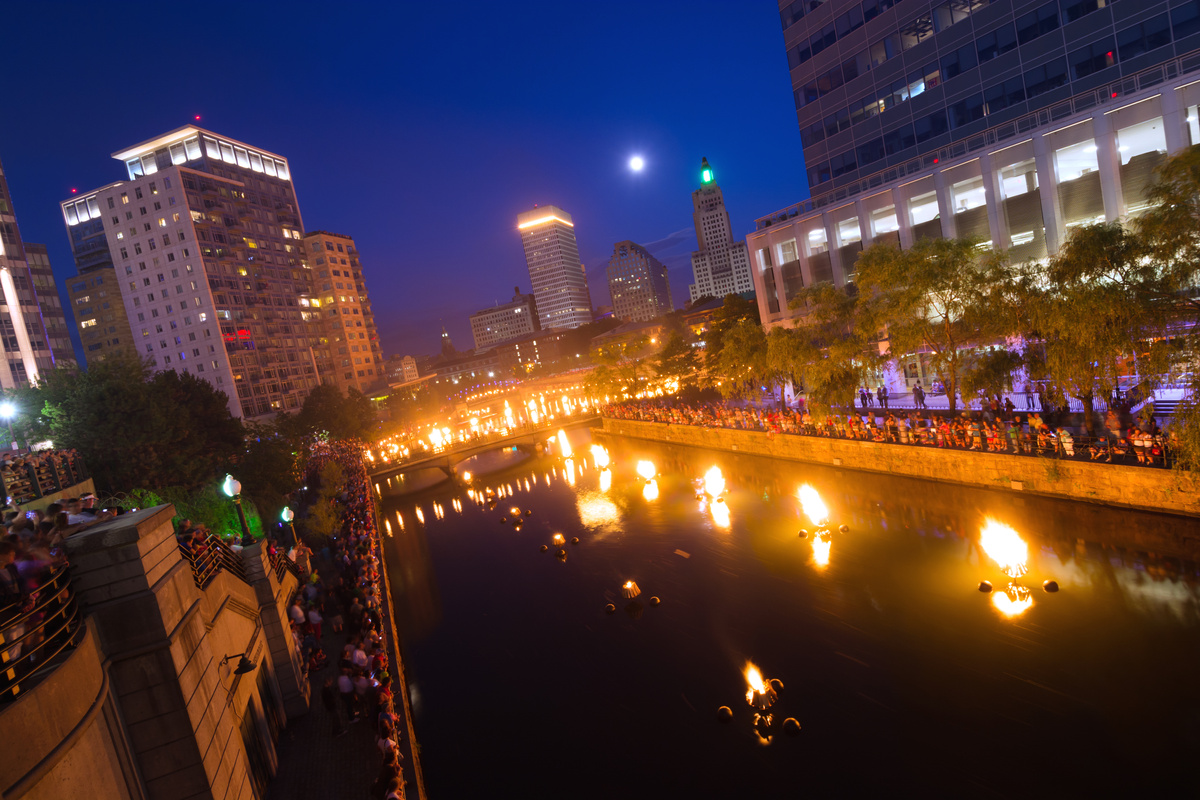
(73, 191)
(197, 118)
(935, 160)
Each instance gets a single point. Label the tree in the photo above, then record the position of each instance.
(735, 309)
(744, 364)
(831, 352)
(678, 360)
(266, 468)
(326, 411)
(940, 296)
(1085, 319)
(136, 429)
(1170, 233)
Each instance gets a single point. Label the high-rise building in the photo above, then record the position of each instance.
(347, 354)
(721, 265)
(638, 284)
(33, 331)
(508, 321)
(1012, 123)
(558, 279)
(206, 238)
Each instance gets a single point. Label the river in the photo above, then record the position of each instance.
(902, 675)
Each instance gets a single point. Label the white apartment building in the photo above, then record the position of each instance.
(503, 322)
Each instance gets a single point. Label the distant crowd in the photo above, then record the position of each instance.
(998, 428)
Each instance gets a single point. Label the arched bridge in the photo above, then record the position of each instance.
(525, 441)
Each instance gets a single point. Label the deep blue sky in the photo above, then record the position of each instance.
(422, 129)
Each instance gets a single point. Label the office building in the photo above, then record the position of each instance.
(35, 337)
(347, 353)
(1008, 123)
(721, 266)
(559, 282)
(509, 321)
(638, 284)
(206, 239)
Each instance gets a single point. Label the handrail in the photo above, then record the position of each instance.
(55, 472)
(282, 564)
(32, 638)
(217, 556)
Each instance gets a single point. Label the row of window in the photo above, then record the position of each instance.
(1129, 43)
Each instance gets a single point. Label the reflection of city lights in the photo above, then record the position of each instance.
(569, 471)
(1004, 546)
(821, 546)
(1013, 601)
(813, 505)
(650, 490)
(564, 446)
(714, 482)
(646, 470)
(599, 456)
(605, 480)
(420, 515)
(720, 513)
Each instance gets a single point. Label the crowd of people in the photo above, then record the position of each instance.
(27, 476)
(997, 428)
(356, 682)
(32, 553)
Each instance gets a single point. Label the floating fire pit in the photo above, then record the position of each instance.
(630, 590)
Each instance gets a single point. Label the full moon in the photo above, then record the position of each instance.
(636, 163)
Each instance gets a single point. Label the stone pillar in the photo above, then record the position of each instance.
(273, 597)
(997, 219)
(1174, 117)
(1048, 188)
(169, 686)
(946, 206)
(1108, 161)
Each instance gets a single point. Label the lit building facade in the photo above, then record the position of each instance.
(338, 311)
(1013, 125)
(205, 237)
(559, 283)
(33, 331)
(721, 266)
(509, 321)
(638, 284)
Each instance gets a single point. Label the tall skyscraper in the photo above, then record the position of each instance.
(205, 237)
(33, 332)
(721, 265)
(638, 284)
(559, 282)
(347, 352)
(1009, 123)
(508, 321)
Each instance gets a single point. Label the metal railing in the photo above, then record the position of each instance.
(28, 477)
(1085, 101)
(282, 565)
(37, 633)
(213, 557)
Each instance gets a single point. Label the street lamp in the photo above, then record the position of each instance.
(8, 411)
(287, 515)
(233, 488)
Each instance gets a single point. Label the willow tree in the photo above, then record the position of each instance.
(1170, 234)
(939, 296)
(1087, 320)
(744, 363)
(828, 351)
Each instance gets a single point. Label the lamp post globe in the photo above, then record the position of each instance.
(7, 412)
(233, 488)
(287, 515)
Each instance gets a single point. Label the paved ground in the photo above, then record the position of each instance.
(313, 763)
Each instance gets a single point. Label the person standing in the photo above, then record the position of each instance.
(330, 701)
(883, 396)
(919, 395)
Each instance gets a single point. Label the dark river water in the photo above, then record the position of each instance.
(903, 676)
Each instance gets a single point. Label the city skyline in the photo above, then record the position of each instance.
(412, 140)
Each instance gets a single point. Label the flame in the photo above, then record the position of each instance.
(569, 471)
(1006, 547)
(466, 476)
(650, 490)
(558, 538)
(516, 512)
(628, 585)
(599, 456)
(605, 480)
(821, 546)
(387, 523)
(714, 482)
(420, 516)
(646, 469)
(564, 446)
(1013, 601)
(813, 505)
(755, 679)
(720, 513)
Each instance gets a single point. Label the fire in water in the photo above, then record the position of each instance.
(599, 456)
(646, 470)
(1005, 546)
(755, 680)
(650, 490)
(814, 506)
(714, 482)
(1013, 601)
(720, 513)
(564, 447)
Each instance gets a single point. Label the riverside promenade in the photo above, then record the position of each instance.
(1161, 490)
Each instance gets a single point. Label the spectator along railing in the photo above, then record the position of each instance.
(281, 564)
(1011, 436)
(209, 557)
(36, 632)
(28, 476)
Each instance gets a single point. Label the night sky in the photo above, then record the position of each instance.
(422, 129)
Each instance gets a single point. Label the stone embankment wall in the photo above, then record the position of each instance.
(1111, 484)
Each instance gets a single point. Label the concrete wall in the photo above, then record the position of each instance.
(148, 706)
(1131, 487)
